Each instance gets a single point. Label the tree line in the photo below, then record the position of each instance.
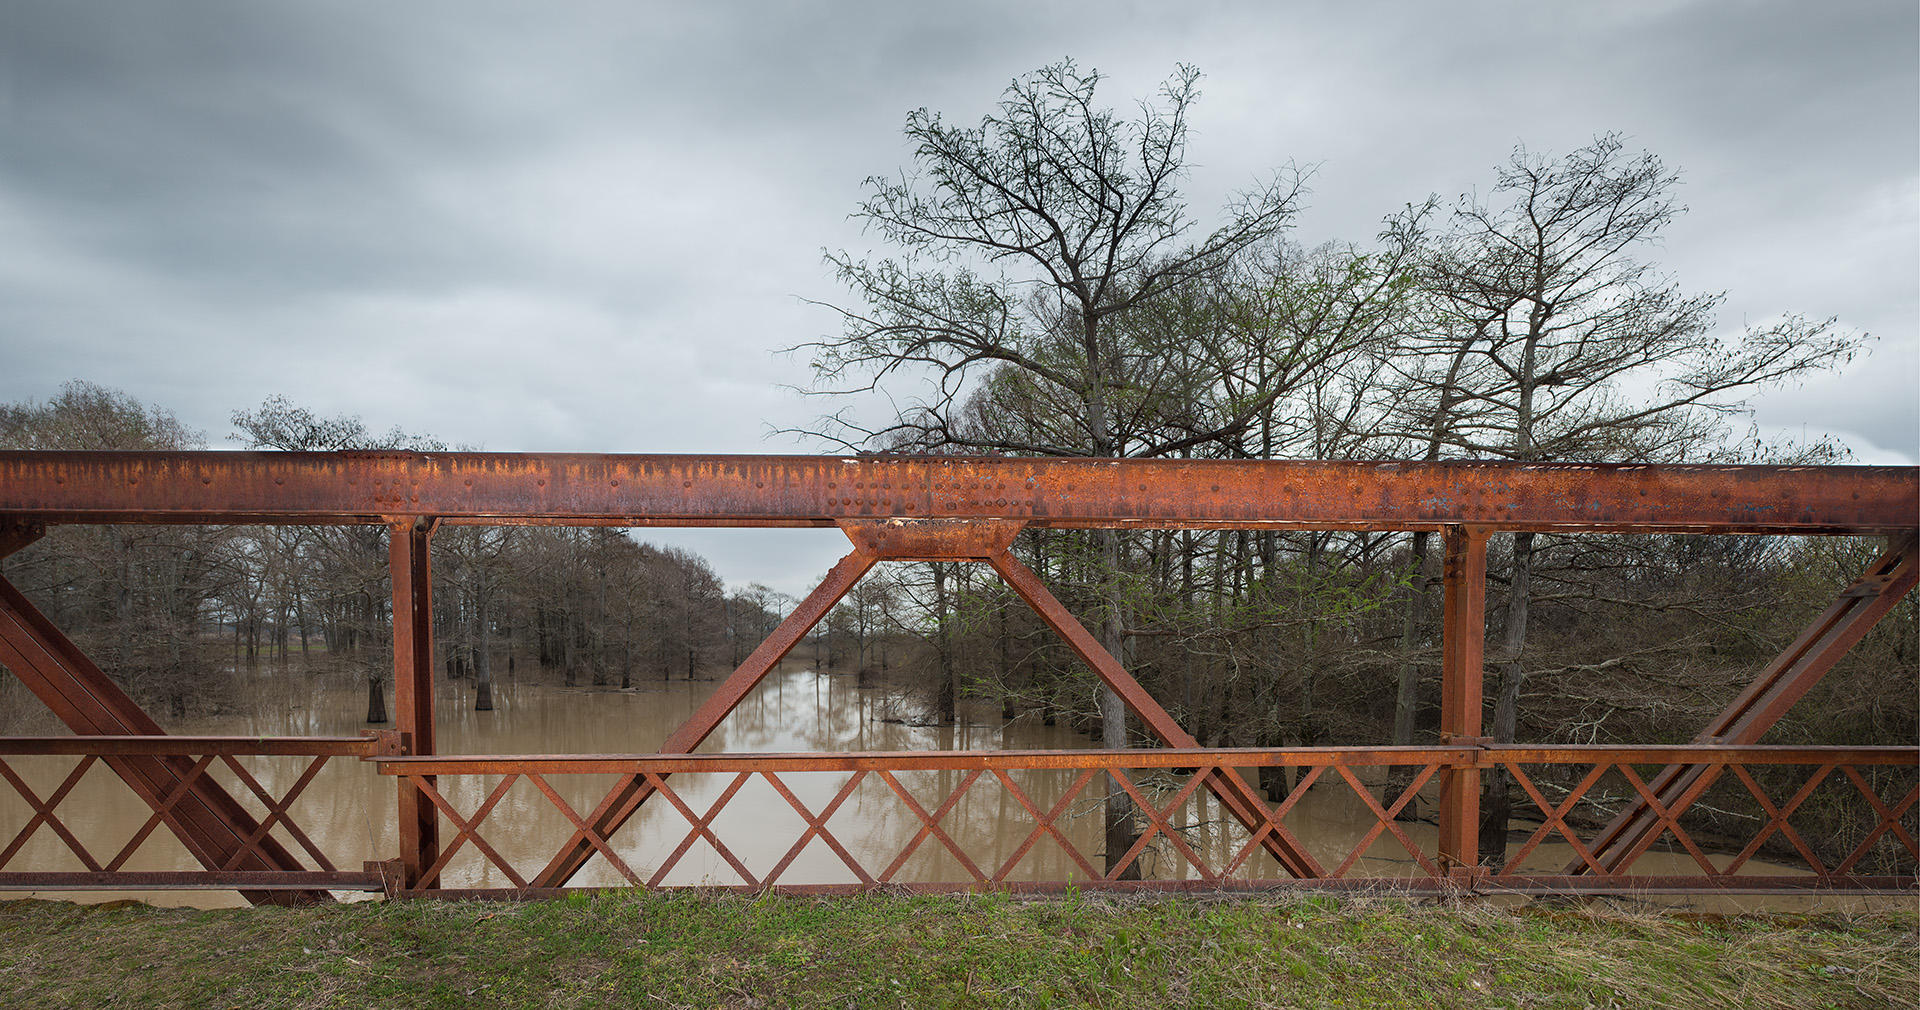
(173, 613)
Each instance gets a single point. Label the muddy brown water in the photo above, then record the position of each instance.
(348, 809)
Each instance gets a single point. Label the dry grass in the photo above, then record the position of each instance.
(696, 950)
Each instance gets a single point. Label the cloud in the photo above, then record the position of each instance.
(590, 226)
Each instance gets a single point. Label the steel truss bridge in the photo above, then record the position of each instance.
(962, 510)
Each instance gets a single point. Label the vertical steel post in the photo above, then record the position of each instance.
(409, 563)
(1463, 644)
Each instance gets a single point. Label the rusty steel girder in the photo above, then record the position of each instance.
(643, 490)
(959, 509)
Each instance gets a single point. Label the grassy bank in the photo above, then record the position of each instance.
(701, 950)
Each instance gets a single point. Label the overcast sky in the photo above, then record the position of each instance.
(591, 226)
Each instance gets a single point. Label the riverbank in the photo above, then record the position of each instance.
(698, 950)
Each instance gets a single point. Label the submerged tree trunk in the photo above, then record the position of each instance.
(483, 659)
(376, 702)
(1005, 643)
(1407, 698)
(1120, 830)
(946, 702)
(1495, 804)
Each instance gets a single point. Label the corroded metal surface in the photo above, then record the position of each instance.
(966, 509)
(410, 568)
(1426, 871)
(239, 853)
(637, 490)
(209, 822)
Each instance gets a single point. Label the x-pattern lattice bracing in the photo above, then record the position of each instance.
(1158, 822)
(43, 813)
(1778, 818)
(930, 825)
(1775, 818)
(466, 828)
(1554, 818)
(194, 776)
(1889, 820)
(276, 811)
(816, 826)
(583, 830)
(1045, 825)
(180, 789)
(1666, 817)
(700, 827)
(1669, 819)
(1167, 811)
(1386, 819)
(1271, 824)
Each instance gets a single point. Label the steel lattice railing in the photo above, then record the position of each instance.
(1170, 816)
(185, 764)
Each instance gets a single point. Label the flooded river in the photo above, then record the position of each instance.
(348, 810)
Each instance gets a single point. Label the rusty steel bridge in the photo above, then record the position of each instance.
(959, 509)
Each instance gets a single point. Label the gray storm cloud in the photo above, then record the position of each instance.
(591, 227)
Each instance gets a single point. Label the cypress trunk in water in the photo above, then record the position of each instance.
(376, 702)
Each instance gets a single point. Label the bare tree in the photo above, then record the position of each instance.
(1560, 343)
(1026, 240)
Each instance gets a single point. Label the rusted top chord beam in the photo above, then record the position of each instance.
(657, 490)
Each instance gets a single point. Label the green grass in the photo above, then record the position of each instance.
(700, 950)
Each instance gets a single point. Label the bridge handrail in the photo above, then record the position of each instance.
(371, 744)
(1232, 757)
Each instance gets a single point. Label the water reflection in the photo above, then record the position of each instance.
(348, 810)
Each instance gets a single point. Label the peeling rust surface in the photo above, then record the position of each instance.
(643, 490)
(956, 509)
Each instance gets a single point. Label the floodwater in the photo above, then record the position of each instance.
(348, 809)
